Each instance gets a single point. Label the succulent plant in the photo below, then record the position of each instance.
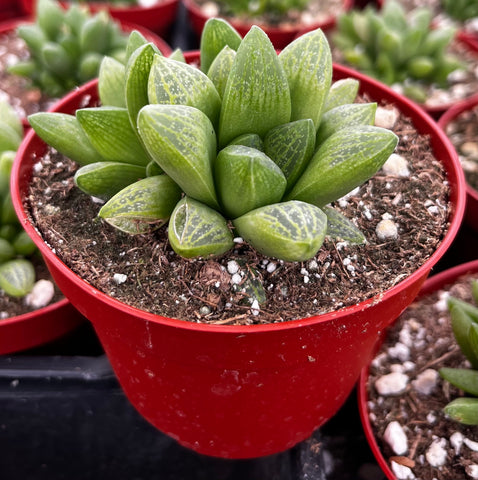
(256, 8)
(460, 9)
(66, 46)
(464, 321)
(17, 274)
(257, 147)
(397, 49)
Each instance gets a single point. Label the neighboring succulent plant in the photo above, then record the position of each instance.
(256, 8)
(66, 46)
(461, 10)
(259, 146)
(17, 274)
(464, 321)
(396, 48)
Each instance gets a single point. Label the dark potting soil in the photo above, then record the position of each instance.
(463, 133)
(143, 271)
(422, 340)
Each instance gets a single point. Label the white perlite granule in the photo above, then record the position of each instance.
(396, 437)
(436, 453)
(391, 384)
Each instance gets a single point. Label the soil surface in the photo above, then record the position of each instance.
(463, 133)
(143, 271)
(316, 11)
(422, 341)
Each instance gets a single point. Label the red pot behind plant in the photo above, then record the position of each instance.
(157, 18)
(240, 391)
(279, 36)
(436, 282)
(471, 213)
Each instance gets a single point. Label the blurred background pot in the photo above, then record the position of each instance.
(240, 391)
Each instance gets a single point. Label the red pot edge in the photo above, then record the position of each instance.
(154, 9)
(431, 284)
(443, 122)
(198, 19)
(458, 197)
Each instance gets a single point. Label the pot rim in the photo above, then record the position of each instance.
(432, 284)
(193, 8)
(407, 106)
(451, 114)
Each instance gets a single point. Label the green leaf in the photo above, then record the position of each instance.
(111, 134)
(181, 140)
(341, 92)
(8, 214)
(7, 252)
(142, 206)
(291, 231)
(474, 291)
(463, 410)
(136, 79)
(246, 179)
(49, 17)
(75, 17)
(468, 308)
(64, 133)
(249, 140)
(153, 169)
(111, 83)
(307, 62)
(105, 179)
(220, 68)
(257, 95)
(23, 244)
(17, 277)
(95, 34)
(175, 83)
(56, 59)
(463, 378)
(8, 116)
(343, 116)
(9, 138)
(291, 146)
(216, 34)
(178, 55)
(135, 40)
(344, 161)
(34, 37)
(340, 227)
(461, 323)
(195, 230)
(6, 163)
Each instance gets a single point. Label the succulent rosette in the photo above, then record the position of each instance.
(252, 144)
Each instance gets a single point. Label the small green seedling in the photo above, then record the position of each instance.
(464, 321)
(397, 49)
(17, 274)
(66, 46)
(252, 144)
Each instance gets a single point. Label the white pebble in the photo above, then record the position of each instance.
(232, 267)
(255, 308)
(456, 441)
(119, 278)
(210, 9)
(471, 444)
(386, 230)
(236, 279)
(41, 294)
(436, 453)
(396, 437)
(271, 267)
(396, 165)
(426, 381)
(400, 351)
(402, 472)
(386, 117)
(391, 384)
(472, 470)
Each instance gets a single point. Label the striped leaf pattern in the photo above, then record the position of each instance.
(17, 277)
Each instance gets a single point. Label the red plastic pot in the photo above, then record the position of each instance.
(39, 327)
(436, 282)
(279, 36)
(241, 391)
(157, 18)
(471, 214)
(10, 9)
(11, 25)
